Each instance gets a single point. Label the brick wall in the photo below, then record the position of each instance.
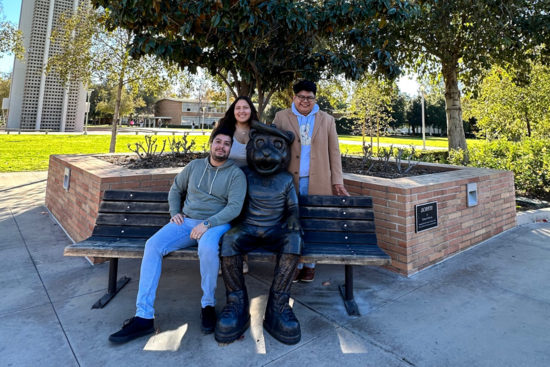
(459, 226)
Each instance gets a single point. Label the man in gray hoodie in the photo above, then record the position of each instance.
(214, 190)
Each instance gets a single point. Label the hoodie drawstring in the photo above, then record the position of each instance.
(205, 168)
(213, 181)
(212, 184)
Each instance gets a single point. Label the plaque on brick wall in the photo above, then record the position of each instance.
(425, 216)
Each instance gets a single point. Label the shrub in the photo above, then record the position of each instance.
(529, 159)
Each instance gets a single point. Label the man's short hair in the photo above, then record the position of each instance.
(304, 85)
(222, 131)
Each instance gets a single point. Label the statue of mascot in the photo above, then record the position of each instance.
(269, 220)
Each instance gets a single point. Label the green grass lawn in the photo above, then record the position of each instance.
(32, 152)
(406, 140)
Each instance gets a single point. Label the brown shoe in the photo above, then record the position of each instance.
(307, 274)
(297, 275)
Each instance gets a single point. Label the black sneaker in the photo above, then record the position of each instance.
(208, 316)
(133, 328)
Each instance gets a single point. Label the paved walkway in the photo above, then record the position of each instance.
(120, 131)
(489, 306)
(419, 147)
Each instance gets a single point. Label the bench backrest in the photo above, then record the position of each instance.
(327, 221)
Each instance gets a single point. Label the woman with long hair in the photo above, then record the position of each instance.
(238, 119)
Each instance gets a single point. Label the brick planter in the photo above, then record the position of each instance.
(76, 208)
(460, 226)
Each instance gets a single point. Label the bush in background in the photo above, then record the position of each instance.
(529, 159)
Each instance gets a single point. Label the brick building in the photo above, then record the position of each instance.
(185, 112)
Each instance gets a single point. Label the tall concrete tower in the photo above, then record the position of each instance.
(37, 100)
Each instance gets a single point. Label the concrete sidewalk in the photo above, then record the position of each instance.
(489, 306)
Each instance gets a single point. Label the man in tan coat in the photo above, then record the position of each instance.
(315, 155)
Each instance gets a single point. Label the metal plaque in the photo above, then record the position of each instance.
(425, 216)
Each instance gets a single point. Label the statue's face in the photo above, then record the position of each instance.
(267, 154)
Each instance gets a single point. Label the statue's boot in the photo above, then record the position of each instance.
(235, 316)
(279, 320)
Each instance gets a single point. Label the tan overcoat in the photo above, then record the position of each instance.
(326, 163)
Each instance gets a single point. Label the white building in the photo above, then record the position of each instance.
(37, 100)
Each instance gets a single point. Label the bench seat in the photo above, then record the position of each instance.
(132, 248)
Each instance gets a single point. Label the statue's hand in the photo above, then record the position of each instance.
(293, 223)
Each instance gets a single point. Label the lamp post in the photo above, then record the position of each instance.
(89, 95)
(423, 119)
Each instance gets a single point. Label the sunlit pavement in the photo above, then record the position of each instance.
(489, 306)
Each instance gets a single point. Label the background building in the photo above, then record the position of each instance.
(185, 112)
(38, 100)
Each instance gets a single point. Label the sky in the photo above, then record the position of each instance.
(12, 9)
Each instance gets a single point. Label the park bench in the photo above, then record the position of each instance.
(19, 131)
(337, 230)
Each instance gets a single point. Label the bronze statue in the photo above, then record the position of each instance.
(269, 220)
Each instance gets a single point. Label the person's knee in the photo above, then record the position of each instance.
(209, 250)
(153, 247)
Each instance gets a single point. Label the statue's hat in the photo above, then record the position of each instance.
(260, 127)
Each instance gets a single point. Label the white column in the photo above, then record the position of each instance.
(44, 63)
(227, 98)
(65, 108)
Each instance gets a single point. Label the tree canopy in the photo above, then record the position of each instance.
(261, 46)
(461, 39)
(11, 38)
(90, 52)
(511, 110)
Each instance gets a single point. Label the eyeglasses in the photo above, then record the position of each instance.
(304, 98)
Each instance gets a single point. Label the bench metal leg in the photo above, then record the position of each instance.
(347, 293)
(114, 286)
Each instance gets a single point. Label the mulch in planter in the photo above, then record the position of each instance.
(160, 161)
(355, 165)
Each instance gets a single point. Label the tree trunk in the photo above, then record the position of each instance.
(261, 104)
(245, 88)
(112, 147)
(453, 108)
(528, 126)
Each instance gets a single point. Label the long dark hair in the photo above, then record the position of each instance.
(229, 121)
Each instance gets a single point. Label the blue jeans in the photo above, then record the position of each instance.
(170, 238)
(303, 189)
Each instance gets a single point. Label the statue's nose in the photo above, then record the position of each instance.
(266, 152)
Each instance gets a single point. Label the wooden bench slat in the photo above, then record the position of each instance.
(309, 237)
(128, 232)
(133, 207)
(337, 225)
(118, 195)
(146, 220)
(336, 237)
(339, 201)
(336, 213)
